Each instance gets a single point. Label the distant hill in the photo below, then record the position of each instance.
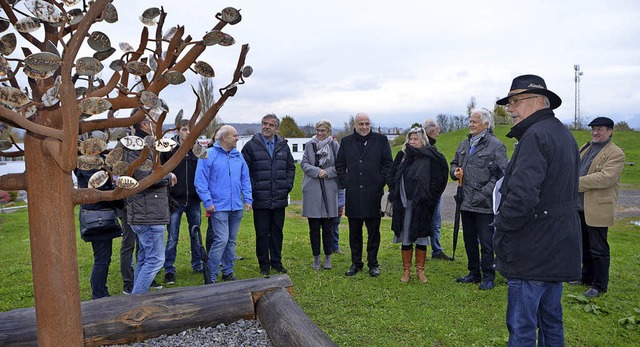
(245, 128)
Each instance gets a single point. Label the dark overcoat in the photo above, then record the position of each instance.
(363, 175)
(538, 235)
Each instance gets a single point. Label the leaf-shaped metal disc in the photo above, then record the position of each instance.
(44, 11)
(8, 44)
(99, 41)
(92, 146)
(126, 182)
(13, 97)
(94, 105)
(98, 179)
(247, 71)
(138, 68)
(104, 55)
(229, 15)
(90, 162)
(165, 145)
(36, 74)
(151, 13)
(88, 66)
(75, 16)
(119, 168)
(43, 61)
(132, 142)
(148, 99)
(204, 69)
(126, 47)
(213, 37)
(5, 144)
(27, 25)
(175, 77)
(114, 156)
(110, 14)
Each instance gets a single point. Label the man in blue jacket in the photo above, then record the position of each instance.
(222, 182)
(537, 238)
(272, 171)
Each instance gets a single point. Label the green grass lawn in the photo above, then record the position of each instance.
(365, 311)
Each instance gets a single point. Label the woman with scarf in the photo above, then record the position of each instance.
(416, 181)
(320, 191)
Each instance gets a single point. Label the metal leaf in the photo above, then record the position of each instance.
(88, 66)
(213, 37)
(4, 145)
(94, 105)
(8, 43)
(98, 179)
(104, 55)
(147, 21)
(43, 61)
(138, 68)
(247, 71)
(4, 24)
(75, 16)
(151, 13)
(175, 77)
(229, 15)
(148, 99)
(126, 47)
(110, 14)
(204, 69)
(44, 11)
(99, 41)
(13, 97)
(27, 25)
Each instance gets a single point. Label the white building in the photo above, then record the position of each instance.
(296, 145)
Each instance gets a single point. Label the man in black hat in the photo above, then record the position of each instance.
(537, 237)
(601, 163)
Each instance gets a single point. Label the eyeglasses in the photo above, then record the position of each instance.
(513, 102)
(321, 130)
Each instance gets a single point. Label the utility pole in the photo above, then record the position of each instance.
(578, 73)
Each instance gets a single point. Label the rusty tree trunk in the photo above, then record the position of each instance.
(53, 248)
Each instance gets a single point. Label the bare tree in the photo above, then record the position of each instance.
(207, 95)
(53, 107)
(471, 105)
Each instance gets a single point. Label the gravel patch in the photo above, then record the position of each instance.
(241, 333)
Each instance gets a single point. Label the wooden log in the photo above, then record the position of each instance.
(129, 318)
(286, 324)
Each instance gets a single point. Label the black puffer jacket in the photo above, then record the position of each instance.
(538, 233)
(150, 206)
(184, 191)
(271, 178)
(479, 168)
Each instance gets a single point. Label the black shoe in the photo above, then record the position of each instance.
(264, 271)
(352, 270)
(592, 293)
(198, 271)
(169, 278)
(280, 269)
(374, 271)
(468, 279)
(486, 285)
(442, 256)
(576, 283)
(229, 277)
(155, 285)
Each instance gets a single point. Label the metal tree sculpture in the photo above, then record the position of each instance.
(61, 92)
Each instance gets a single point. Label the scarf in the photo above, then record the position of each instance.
(361, 141)
(322, 150)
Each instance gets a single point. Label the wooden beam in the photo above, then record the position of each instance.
(286, 323)
(129, 318)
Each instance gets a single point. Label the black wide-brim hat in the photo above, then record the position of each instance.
(531, 84)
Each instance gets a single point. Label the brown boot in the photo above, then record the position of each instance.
(407, 256)
(421, 257)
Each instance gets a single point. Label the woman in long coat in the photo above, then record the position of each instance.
(320, 191)
(416, 181)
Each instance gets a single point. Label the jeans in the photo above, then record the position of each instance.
(477, 229)
(223, 249)
(531, 305)
(194, 214)
(150, 255)
(336, 233)
(268, 224)
(373, 241)
(129, 242)
(315, 224)
(436, 248)
(101, 260)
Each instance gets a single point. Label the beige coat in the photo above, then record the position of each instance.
(600, 185)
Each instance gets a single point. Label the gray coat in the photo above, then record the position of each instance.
(313, 205)
(481, 170)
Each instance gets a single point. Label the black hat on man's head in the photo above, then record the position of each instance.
(531, 84)
(602, 121)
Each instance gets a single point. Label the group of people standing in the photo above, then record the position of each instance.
(540, 218)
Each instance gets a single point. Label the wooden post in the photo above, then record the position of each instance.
(286, 323)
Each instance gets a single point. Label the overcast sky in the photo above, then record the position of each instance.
(404, 61)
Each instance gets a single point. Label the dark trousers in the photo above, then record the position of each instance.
(315, 224)
(596, 256)
(101, 259)
(476, 229)
(373, 240)
(129, 241)
(268, 224)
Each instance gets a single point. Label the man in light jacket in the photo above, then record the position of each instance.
(222, 182)
(601, 163)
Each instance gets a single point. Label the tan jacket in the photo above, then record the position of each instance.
(600, 185)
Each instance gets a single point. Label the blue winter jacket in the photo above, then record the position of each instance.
(222, 180)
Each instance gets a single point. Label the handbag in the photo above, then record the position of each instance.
(98, 221)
